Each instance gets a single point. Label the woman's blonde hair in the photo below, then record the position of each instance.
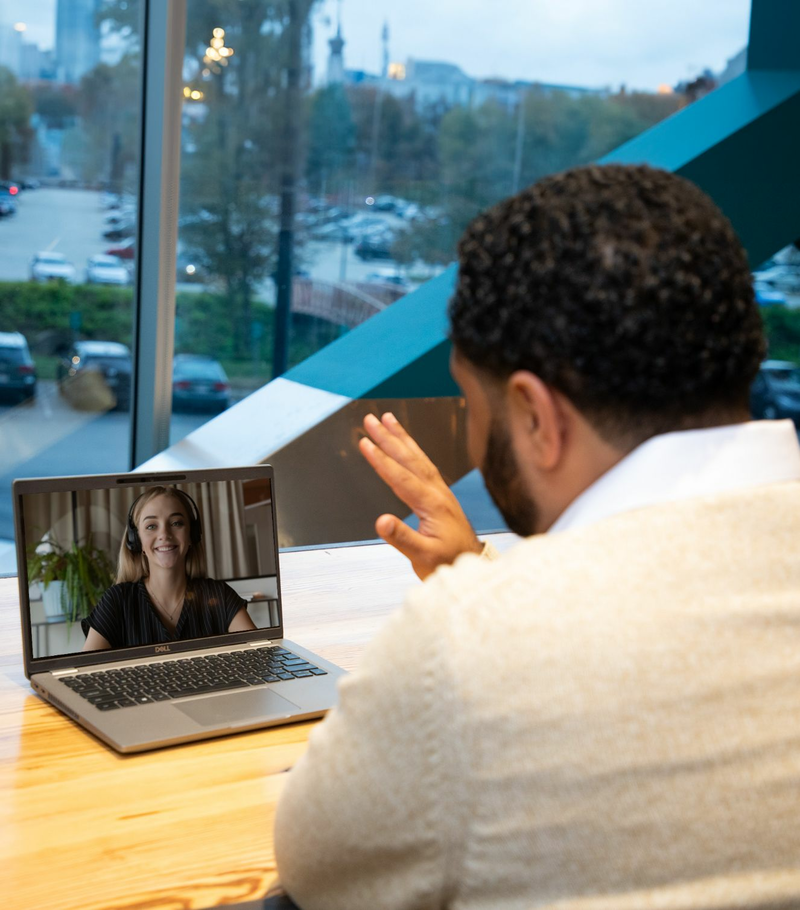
(135, 566)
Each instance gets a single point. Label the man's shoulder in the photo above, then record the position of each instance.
(639, 542)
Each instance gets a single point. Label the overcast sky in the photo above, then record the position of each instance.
(642, 43)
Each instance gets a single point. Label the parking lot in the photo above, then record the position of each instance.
(71, 222)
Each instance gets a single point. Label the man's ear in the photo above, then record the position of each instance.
(537, 419)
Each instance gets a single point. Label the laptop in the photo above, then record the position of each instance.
(138, 671)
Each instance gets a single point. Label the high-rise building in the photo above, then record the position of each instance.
(77, 39)
(10, 48)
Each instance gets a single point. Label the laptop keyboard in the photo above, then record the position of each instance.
(141, 685)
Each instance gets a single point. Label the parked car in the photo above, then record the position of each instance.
(17, 369)
(386, 203)
(199, 383)
(108, 360)
(48, 266)
(122, 213)
(766, 295)
(8, 196)
(784, 278)
(102, 269)
(387, 276)
(775, 392)
(375, 246)
(124, 250)
(120, 230)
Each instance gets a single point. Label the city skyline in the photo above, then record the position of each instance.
(578, 42)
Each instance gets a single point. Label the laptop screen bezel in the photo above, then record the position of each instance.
(28, 486)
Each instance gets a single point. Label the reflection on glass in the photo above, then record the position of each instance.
(363, 146)
(775, 393)
(69, 140)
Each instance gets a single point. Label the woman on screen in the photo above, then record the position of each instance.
(162, 592)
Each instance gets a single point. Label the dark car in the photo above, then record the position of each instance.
(90, 361)
(775, 392)
(17, 370)
(375, 246)
(199, 383)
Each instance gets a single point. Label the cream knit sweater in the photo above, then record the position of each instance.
(604, 718)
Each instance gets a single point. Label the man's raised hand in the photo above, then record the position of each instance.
(444, 531)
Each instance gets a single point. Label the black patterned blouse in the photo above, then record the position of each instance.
(125, 615)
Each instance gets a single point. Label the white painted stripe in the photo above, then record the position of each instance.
(253, 429)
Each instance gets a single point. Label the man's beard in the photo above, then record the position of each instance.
(504, 484)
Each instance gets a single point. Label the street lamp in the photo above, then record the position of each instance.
(217, 53)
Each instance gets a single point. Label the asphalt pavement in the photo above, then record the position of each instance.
(63, 221)
(71, 222)
(49, 438)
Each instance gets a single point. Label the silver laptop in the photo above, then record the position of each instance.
(151, 606)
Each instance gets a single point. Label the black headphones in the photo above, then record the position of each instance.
(134, 544)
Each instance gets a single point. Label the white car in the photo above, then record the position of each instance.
(104, 269)
(784, 278)
(52, 267)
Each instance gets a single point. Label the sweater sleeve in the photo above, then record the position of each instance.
(367, 818)
(488, 552)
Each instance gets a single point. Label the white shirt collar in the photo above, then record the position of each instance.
(688, 464)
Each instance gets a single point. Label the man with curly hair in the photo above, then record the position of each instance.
(605, 717)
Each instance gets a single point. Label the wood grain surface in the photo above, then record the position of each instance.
(83, 828)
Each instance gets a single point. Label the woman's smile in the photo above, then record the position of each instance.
(164, 532)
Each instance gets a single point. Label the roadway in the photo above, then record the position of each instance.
(48, 437)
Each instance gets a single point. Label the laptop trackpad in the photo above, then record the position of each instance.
(237, 708)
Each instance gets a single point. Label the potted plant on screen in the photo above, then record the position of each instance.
(73, 578)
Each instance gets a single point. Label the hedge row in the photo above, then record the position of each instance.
(52, 315)
(44, 313)
(782, 327)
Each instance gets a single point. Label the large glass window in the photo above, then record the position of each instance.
(333, 152)
(69, 140)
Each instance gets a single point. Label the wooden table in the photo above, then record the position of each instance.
(186, 827)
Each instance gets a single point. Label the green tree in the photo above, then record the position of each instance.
(104, 144)
(16, 107)
(486, 153)
(399, 152)
(241, 151)
(57, 106)
(331, 140)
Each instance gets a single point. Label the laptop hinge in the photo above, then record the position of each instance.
(69, 671)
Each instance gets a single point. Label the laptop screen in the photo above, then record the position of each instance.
(123, 565)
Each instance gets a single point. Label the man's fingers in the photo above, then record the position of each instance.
(403, 483)
(397, 429)
(397, 444)
(403, 538)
